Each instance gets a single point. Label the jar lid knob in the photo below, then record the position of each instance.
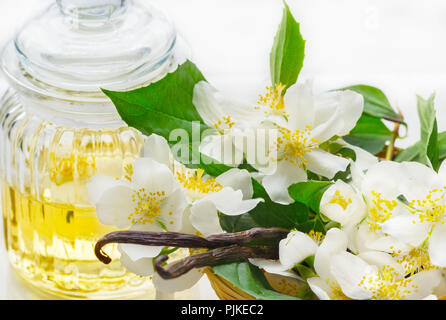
(92, 9)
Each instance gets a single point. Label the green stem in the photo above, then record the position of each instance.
(391, 146)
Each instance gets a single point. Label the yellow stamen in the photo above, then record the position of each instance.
(388, 285)
(336, 291)
(196, 182)
(416, 260)
(128, 172)
(272, 101)
(380, 211)
(148, 206)
(317, 236)
(431, 209)
(292, 146)
(340, 200)
(225, 124)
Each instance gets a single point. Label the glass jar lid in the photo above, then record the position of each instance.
(76, 47)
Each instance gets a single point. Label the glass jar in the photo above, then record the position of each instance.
(57, 130)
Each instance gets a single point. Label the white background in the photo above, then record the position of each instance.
(396, 45)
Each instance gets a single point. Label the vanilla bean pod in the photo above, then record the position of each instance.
(181, 240)
(245, 237)
(234, 253)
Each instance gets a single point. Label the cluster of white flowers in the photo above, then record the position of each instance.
(389, 239)
(293, 127)
(158, 194)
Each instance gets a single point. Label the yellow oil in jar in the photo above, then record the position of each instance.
(52, 247)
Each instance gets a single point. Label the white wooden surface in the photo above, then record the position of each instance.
(397, 45)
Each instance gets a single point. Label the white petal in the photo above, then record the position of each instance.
(204, 217)
(423, 284)
(324, 163)
(172, 209)
(142, 267)
(206, 103)
(407, 228)
(364, 159)
(231, 202)
(437, 246)
(137, 252)
(351, 232)
(349, 270)
(115, 205)
(440, 290)
(442, 172)
(381, 259)
(299, 105)
(269, 265)
(288, 274)
(295, 248)
(260, 143)
(222, 149)
(276, 185)
(238, 180)
(181, 283)
(320, 288)
(365, 240)
(423, 177)
(326, 130)
(98, 184)
(389, 244)
(354, 210)
(335, 242)
(239, 111)
(225, 199)
(357, 175)
(243, 207)
(362, 237)
(187, 226)
(336, 113)
(153, 176)
(157, 148)
(392, 179)
(212, 105)
(352, 105)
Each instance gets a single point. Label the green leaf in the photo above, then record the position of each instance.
(430, 153)
(250, 279)
(314, 224)
(305, 272)
(238, 223)
(164, 105)
(306, 293)
(309, 193)
(338, 149)
(267, 214)
(288, 51)
(212, 167)
(370, 134)
(376, 103)
(442, 145)
(347, 153)
(413, 153)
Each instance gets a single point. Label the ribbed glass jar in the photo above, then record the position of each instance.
(50, 229)
(57, 130)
